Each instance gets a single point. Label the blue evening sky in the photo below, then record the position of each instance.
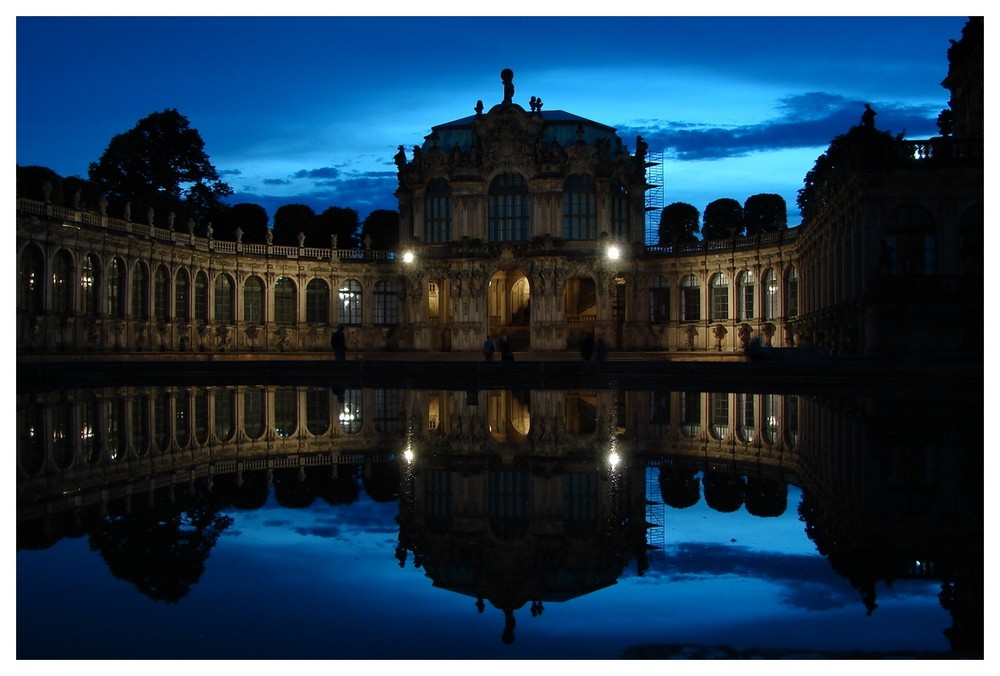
(306, 109)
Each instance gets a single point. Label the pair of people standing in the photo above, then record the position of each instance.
(490, 348)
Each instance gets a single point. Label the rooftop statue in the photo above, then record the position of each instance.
(507, 77)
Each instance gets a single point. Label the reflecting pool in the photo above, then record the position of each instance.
(308, 522)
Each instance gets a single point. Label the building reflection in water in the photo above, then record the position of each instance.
(516, 499)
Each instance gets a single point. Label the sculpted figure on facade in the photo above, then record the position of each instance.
(507, 78)
(690, 333)
(720, 332)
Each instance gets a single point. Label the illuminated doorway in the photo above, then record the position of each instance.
(509, 302)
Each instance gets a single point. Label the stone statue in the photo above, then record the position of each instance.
(507, 77)
(170, 220)
(479, 107)
(76, 200)
(400, 158)
(368, 241)
(239, 234)
(270, 236)
(868, 117)
(102, 204)
(209, 230)
(302, 239)
(333, 241)
(149, 216)
(190, 225)
(128, 211)
(47, 191)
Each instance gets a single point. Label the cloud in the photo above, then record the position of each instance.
(323, 172)
(808, 120)
(276, 181)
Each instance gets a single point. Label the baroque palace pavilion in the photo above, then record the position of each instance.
(530, 224)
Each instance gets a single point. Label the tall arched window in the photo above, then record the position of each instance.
(317, 302)
(116, 289)
(286, 411)
(253, 301)
(386, 302)
(201, 297)
(318, 410)
(690, 413)
(62, 283)
(792, 292)
(747, 417)
(720, 297)
(350, 302)
(690, 299)
(621, 214)
(719, 414)
(508, 208)
(911, 241)
(225, 414)
(437, 212)
(90, 286)
(351, 414)
(32, 283)
(182, 419)
(225, 292)
(140, 292)
(161, 293)
(659, 300)
(182, 295)
(770, 294)
(253, 412)
(746, 294)
(284, 301)
(579, 208)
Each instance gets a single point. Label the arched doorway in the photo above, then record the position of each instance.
(508, 296)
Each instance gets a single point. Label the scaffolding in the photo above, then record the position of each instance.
(654, 197)
(654, 509)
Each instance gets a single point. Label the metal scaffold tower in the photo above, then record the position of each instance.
(654, 196)
(654, 509)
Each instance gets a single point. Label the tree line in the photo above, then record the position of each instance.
(681, 222)
(159, 172)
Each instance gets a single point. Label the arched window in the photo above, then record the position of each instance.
(690, 299)
(32, 285)
(253, 300)
(911, 241)
(182, 295)
(579, 208)
(161, 293)
(659, 300)
(161, 421)
(437, 212)
(508, 208)
(116, 289)
(350, 302)
(62, 283)
(286, 411)
(388, 410)
(90, 286)
(690, 414)
(770, 421)
(720, 297)
(182, 419)
(746, 294)
(140, 292)
(225, 292)
(200, 419)
(719, 413)
(225, 414)
(770, 294)
(201, 297)
(318, 410)
(386, 302)
(792, 292)
(350, 411)
(284, 301)
(317, 302)
(621, 214)
(253, 412)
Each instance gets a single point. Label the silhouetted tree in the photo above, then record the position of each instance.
(765, 212)
(382, 225)
(861, 148)
(161, 548)
(723, 218)
(338, 221)
(290, 220)
(678, 224)
(161, 164)
(252, 218)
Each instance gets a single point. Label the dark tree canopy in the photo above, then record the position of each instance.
(382, 225)
(252, 218)
(678, 224)
(290, 220)
(338, 221)
(160, 164)
(861, 148)
(31, 180)
(723, 218)
(765, 212)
